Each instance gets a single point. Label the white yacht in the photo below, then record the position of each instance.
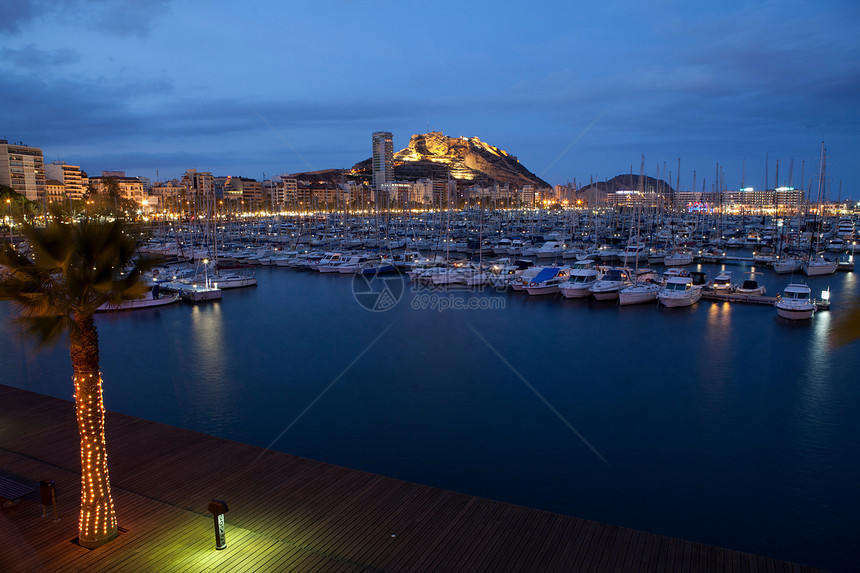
(640, 292)
(151, 299)
(819, 266)
(583, 274)
(680, 291)
(549, 250)
(633, 254)
(751, 285)
(351, 264)
(612, 281)
(785, 265)
(722, 283)
(796, 302)
(329, 263)
(678, 258)
(845, 229)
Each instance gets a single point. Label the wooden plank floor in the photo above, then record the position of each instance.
(289, 513)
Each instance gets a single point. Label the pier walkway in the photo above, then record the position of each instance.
(288, 513)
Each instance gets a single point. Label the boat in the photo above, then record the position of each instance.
(712, 255)
(152, 298)
(845, 229)
(522, 281)
(678, 258)
(547, 281)
(815, 264)
(638, 293)
(819, 266)
(751, 285)
(680, 291)
(583, 274)
(377, 266)
(329, 263)
(352, 264)
(549, 250)
(228, 281)
(612, 281)
(634, 254)
(796, 302)
(785, 265)
(722, 283)
(193, 292)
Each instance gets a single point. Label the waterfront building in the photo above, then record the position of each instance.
(632, 198)
(783, 199)
(23, 169)
(281, 189)
(383, 158)
(127, 187)
(55, 191)
(165, 189)
(252, 192)
(393, 193)
(200, 182)
(70, 176)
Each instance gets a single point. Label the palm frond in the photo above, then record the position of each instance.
(73, 270)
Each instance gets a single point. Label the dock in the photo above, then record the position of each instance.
(288, 513)
(739, 297)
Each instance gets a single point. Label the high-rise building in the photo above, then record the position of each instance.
(69, 176)
(23, 169)
(383, 158)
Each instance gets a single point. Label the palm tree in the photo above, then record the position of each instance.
(72, 271)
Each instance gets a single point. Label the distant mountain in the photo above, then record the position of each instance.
(625, 182)
(463, 158)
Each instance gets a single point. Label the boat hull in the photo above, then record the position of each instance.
(689, 299)
(795, 313)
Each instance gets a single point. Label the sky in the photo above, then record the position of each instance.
(576, 90)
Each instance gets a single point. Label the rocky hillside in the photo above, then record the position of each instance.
(464, 158)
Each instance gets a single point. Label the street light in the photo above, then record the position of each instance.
(9, 216)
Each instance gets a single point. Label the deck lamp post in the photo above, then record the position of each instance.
(218, 508)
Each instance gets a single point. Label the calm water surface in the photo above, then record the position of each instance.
(718, 423)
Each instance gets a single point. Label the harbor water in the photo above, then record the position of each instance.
(719, 423)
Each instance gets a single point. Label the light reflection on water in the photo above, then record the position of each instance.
(211, 385)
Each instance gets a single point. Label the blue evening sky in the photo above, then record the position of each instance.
(575, 89)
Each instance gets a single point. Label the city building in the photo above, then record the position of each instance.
(69, 176)
(383, 158)
(55, 191)
(127, 187)
(200, 182)
(23, 169)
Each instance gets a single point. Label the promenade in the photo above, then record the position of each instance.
(288, 513)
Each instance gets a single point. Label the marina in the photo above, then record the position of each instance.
(556, 287)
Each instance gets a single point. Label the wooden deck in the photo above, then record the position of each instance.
(289, 513)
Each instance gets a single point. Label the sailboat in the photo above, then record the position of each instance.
(643, 290)
(815, 264)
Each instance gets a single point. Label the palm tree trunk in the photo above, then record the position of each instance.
(98, 520)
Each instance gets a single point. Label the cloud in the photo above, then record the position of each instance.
(30, 57)
(112, 17)
(15, 14)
